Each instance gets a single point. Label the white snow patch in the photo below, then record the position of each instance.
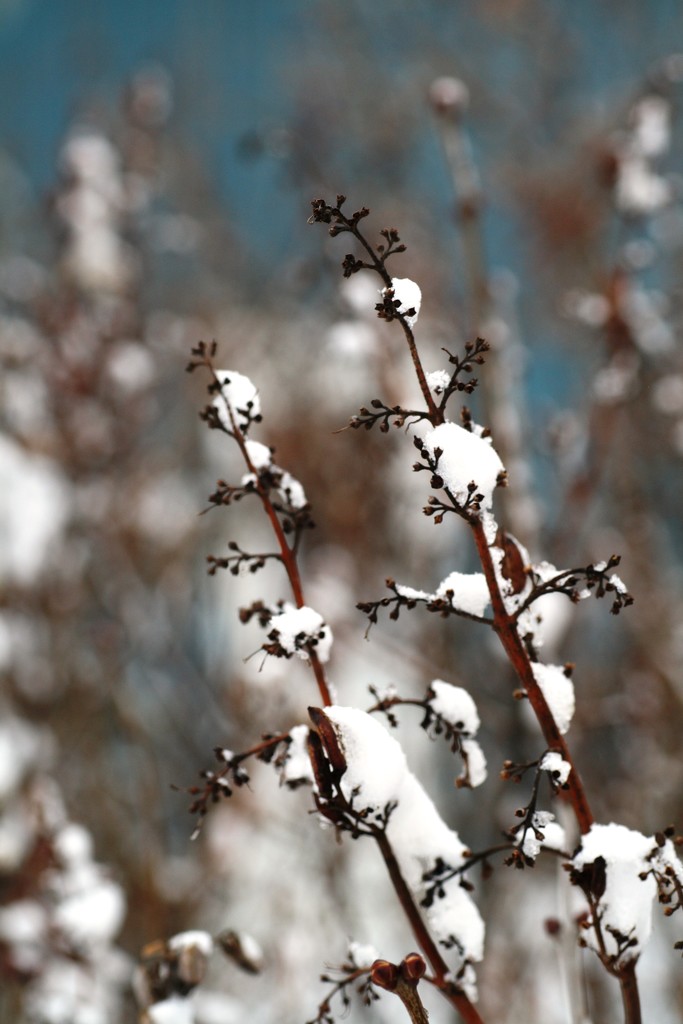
(192, 939)
(455, 706)
(296, 628)
(175, 1010)
(291, 491)
(412, 594)
(259, 454)
(377, 774)
(297, 766)
(242, 396)
(626, 904)
(475, 771)
(558, 690)
(361, 955)
(465, 458)
(438, 381)
(409, 295)
(467, 592)
(555, 764)
(544, 831)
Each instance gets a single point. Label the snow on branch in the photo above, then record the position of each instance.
(368, 785)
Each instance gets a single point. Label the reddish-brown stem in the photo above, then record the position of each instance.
(435, 414)
(506, 627)
(408, 995)
(458, 999)
(287, 555)
(630, 994)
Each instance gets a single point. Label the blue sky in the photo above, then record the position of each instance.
(237, 65)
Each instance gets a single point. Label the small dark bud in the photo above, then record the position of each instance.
(384, 974)
(412, 968)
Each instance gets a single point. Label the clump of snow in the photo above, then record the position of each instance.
(375, 762)
(297, 629)
(558, 690)
(296, 769)
(438, 381)
(554, 763)
(290, 490)
(377, 775)
(35, 504)
(475, 772)
(408, 294)
(624, 907)
(465, 458)
(242, 397)
(455, 706)
(466, 592)
(259, 454)
(174, 1010)
(543, 831)
(192, 939)
(362, 955)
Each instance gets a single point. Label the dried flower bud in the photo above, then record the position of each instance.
(412, 968)
(384, 974)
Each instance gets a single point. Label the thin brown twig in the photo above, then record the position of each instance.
(287, 554)
(505, 627)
